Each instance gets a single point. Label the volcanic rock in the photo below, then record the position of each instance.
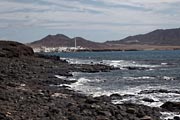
(115, 96)
(148, 100)
(14, 49)
(171, 106)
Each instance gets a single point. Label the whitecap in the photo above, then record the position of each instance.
(116, 63)
(138, 78)
(169, 115)
(65, 78)
(80, 82)
(126, 63)
(60, 77)
(168, 78)
(164, 63)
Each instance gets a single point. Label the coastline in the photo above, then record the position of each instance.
(33, 86)
(115, 47)
(26, 93)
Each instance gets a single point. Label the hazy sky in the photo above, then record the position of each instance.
(97, 20)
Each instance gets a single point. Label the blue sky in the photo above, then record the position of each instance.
(97, 20)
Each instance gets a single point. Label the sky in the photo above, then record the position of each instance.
(97, 20)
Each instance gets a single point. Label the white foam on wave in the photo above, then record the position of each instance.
(60, 77)
(61, 85)
(126, 63)
(169, 115)
(105, 92)
(80, 82)
(164, 63)
(132, 91)
(74, 74)
(138, 78)
(83, 85)
(168, 78)
(81, 61)
(116, 63)
(135, 97)
(158, 98)
(83, 80)
(65, 78)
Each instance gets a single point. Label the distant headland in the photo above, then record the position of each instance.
(168, 39)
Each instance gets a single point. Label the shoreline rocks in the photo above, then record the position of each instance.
(14, 49)
(171, 106)
(26, 93)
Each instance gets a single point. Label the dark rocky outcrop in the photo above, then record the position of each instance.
(136, 68)
(93, 68)
(26, 93)
(171, 106)
(148, 100)
(14, 49)
(116, 97)
(176, 118)
(30, 90)
(4, 117)
(159, 91)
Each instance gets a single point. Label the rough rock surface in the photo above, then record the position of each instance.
(28, 91)
(25, 93)
(171, 106)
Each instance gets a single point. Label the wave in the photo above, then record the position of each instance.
(138, 78)
(169, 115)
(135, 94)
(131, 93)
(60, 77)
(164, 63)
(125, 63)
(122, 64)
(81, 61)
(168, 78)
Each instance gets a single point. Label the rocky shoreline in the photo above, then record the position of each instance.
(27, 92)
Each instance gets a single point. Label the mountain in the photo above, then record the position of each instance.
(61, 40)
(160, 37)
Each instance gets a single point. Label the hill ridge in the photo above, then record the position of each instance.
(156, 37)
(61, 40)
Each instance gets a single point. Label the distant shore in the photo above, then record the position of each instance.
(121, 47)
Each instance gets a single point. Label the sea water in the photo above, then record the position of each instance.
(154, 73)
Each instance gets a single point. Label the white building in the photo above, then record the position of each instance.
(57, 49)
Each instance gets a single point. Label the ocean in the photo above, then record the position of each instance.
(143, 74)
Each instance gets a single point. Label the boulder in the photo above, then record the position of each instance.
(171, 106)
(136, 68)
(148, 100)
(103, 98)
(176, 118)
(131, 110)
(90, 100)
(4, 117)
(115, 96)
(14, 49)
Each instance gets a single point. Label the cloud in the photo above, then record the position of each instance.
(4, 38)
(112, 15)
(13, 6)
